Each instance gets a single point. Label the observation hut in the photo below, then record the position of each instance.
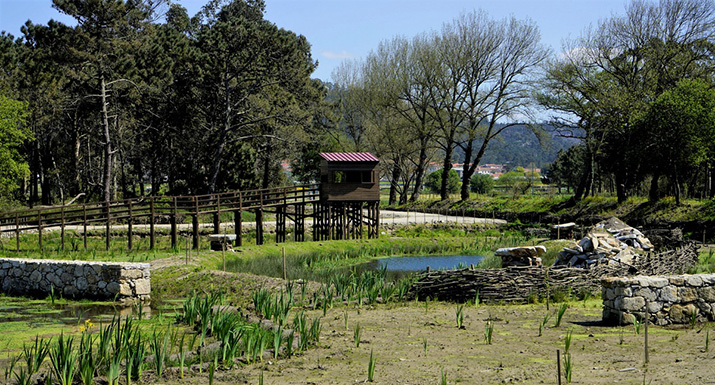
(349, 196)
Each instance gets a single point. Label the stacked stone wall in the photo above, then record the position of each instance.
(75, 279)
(664, 300)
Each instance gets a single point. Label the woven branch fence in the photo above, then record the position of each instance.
(519, 284)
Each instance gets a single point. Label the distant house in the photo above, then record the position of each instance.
(349, 176)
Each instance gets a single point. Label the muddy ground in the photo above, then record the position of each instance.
(397, 333)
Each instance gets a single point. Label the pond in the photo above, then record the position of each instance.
(401, 267)
(420, 263)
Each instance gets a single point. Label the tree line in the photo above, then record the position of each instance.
(140, 94)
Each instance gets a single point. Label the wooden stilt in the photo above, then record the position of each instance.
(259, 227)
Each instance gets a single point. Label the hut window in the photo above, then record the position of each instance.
(367, 177)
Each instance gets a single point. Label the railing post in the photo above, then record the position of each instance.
(217, 216)
(151, 223)
(84, 225)
(17, 232)
(238, 220)
(195, 224)
(62, 227)
(39, 228)
(108, 226)
(130, 228)
(173, 222)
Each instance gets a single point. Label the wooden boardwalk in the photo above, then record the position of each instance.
(331, 220)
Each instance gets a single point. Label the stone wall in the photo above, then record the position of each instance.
(75, 279)
(665, 299)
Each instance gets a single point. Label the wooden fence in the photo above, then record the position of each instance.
(147, 209)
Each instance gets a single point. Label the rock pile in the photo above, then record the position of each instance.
(521, 256)
(609, 241)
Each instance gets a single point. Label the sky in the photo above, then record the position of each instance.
(341, 30)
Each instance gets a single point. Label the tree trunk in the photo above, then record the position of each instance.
(446, 166)
(221, 145)
(396, 173)
(420, 172)
(653, 193)
(266, 166)
(466, 175)
(107, 143)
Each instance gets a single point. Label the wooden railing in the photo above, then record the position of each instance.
(147, 209)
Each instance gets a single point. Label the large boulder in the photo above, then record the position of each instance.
(521, 256)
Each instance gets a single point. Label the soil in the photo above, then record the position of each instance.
(396, 334)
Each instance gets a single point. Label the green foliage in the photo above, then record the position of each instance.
(433, 182)
(481, 184)
(13, 134)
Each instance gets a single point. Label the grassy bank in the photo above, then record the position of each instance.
(636, 208)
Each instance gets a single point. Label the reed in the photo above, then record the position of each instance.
(488, 332)
(560, 314)
(371, 368)
(460, 316)
(34, 355)
(356, 335)
(64, 359)
(159, 346)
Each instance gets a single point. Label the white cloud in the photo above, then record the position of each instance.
(339, 55)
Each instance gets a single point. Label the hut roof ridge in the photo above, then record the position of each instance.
(349, 157)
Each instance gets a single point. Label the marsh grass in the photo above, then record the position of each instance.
(356, 335)
(63, 357)
(34, 355)
(567, 341)
(568, 367)
(637, 325)
(371, 368)
(488, 332)
(560, 314)
(460, 316)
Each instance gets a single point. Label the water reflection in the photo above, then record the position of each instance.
(399, 267)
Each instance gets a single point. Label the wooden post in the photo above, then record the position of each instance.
(151, 223)
(645, 345)
(173, 223)
(195, 224)
(17, 232)
(259, 226)
(130, 228)
(284, 264)
(238, 222)
(84, 225)
(39, 228)
(217, 216)
(108, 228)
(62, 227)
(558, 366)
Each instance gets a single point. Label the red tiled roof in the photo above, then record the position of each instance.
(349, 157)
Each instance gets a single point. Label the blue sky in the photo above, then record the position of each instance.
(350, 29)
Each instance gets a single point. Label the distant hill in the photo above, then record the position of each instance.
(519, 146)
